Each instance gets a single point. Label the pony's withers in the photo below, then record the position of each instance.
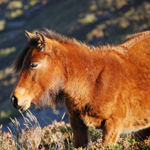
(103, 87)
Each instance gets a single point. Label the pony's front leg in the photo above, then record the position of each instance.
(111, 130)
(80, 133)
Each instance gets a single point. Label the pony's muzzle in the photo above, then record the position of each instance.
(14, 100)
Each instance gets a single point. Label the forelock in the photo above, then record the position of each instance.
(17, 64)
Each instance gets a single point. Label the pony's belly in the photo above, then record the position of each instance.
(135, 125)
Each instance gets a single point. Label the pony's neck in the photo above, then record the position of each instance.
(78, 62)
(81, 68)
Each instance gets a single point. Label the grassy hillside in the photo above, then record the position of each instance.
(58, 136)
(97, 22)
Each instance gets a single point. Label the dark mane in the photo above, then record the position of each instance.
(17, 64)
(64, 39)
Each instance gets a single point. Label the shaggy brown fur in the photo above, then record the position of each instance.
(107, 89)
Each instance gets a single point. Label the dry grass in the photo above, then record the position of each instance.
(57, 136)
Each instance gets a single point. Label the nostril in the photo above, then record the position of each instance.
(14, 100)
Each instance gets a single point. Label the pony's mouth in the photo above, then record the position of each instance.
(25, 106)
(17, 107)
(20, 105)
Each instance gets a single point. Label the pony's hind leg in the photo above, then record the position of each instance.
(80, 133)
(111, 130)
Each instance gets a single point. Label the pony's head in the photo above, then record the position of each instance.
(40, 77)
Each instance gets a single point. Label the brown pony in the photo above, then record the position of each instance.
(104, 87)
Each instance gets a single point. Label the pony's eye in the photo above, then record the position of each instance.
(34, 65)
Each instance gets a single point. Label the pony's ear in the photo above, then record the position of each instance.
(29, 35)
(40, 40)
